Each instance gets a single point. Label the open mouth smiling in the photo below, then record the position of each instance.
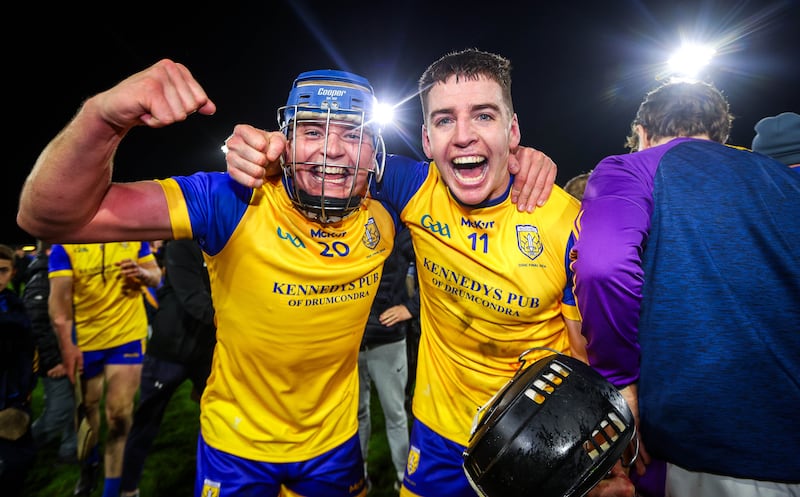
(470, 169)
(331, 174)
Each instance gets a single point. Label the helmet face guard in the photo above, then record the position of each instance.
(554, 430)
(331, 98)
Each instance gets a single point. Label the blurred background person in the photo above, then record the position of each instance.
(56, 420)
(17, 381)
(383, 357)
(576, 185)
(98, 311)
(686, 259)
(779, 137)
(180, 349)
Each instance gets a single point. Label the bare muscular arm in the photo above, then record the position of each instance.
(69, 195)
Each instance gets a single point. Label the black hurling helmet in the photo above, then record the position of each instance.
(330, 97)
(554, 430)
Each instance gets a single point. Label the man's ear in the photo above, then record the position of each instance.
(426, 143)
(644, 137)
(515, 133)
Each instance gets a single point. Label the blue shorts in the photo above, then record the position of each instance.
(336, 473)
(435, 466)
(129, 353)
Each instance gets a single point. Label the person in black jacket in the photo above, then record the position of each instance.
(383, 359)
(56, 421)
(180, 348)
(17, 381)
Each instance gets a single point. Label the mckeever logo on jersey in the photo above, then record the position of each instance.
(528, 240)
(477, 223)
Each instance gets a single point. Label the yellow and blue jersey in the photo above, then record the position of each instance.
(493, 281)
(106, 314)
(292, 299)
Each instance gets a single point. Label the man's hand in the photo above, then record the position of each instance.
(131, 272)
(135, 275)
(617, 484)
(394, 315)
(637, 448)
(253, 154)
(162, 94)
(535, 174)
(72, 358)
(57, 371)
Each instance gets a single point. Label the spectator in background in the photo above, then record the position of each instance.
(576, 185)
(779, 137)
(21, 263)
(150, 293)
(17, 380)
(688, 280)
(412, 339)
(180, 348)
(56, 421)
(383, 359)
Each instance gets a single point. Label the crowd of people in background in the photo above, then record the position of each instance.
(58, 302)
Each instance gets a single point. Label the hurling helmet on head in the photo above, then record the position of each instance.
(327, 97)
(554, 430)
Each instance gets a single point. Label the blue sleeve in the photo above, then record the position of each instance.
(59, 259)
(144, 250)
(568, 297)
(216, 204)
(402, 178)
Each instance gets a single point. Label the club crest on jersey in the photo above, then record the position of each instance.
(529, 241)
(371, 234)
(210, 488)
(413, 460)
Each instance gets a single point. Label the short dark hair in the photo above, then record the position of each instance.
(683, 109)
(7, 254)
(468, 64)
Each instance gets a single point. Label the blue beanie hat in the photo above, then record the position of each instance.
(779, 137)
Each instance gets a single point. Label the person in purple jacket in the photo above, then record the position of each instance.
(687, 277)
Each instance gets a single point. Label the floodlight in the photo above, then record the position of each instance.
(384, 114)
(689, 60)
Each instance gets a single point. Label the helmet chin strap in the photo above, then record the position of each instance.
(326, 210)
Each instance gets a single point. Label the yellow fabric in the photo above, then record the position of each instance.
(106, 314)
(495, 291)
(291, 301)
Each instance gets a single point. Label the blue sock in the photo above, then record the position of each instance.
(93, 457)
(111, 488)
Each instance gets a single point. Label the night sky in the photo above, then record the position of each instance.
(580, 69)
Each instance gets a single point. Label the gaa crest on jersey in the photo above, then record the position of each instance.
(371, 234)
(529, 241)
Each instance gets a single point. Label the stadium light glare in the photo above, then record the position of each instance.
(689, 60)
(384, 113)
